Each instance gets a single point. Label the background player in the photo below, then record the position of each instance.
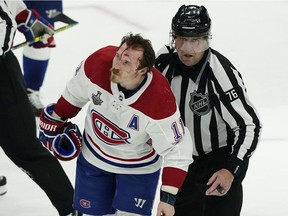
(35, 61)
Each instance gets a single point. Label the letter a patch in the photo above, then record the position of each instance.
(134, 123)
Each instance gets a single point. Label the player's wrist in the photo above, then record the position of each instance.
(167, 197)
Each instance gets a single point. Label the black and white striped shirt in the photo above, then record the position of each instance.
(213, 103)
(8, 11)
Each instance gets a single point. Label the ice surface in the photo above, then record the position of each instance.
(252, 34)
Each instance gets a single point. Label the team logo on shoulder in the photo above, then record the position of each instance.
(199, 104)
(96, 98)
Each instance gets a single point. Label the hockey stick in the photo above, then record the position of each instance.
(63, 18)
(59, 17)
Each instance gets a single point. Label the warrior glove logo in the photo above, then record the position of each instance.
(199, 104)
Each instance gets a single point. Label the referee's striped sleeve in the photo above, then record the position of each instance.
(239, 113)
(7, 29)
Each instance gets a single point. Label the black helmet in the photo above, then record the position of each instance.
(191, 21)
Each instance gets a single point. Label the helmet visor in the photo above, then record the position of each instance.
(192, 44)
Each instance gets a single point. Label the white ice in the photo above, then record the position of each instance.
(252, 34)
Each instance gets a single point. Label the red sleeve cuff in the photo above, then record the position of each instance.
(22, 16)
(173, 177)
(66, 110)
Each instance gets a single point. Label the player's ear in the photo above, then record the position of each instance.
(143, 71)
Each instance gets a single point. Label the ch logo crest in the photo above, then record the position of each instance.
(85, 203)
(107, 131)
(199, 103)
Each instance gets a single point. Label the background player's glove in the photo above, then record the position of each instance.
(50, 127)
(32, 25)
(67, 146)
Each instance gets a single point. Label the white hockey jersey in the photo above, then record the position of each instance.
(128, 135)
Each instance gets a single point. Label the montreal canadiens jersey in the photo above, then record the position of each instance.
(128, 135)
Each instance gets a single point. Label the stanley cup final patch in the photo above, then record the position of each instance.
(96, 98)
(199, 104)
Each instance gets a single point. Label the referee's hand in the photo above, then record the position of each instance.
(220, 183)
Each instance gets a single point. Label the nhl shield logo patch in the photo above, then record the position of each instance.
(199, 104)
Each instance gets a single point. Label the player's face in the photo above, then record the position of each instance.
(125, 64)
(191, 49)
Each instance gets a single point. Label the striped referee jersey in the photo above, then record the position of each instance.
(8, 26)
(214, 104)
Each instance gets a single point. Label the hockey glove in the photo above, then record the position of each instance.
(50, 127)
(67, 146)
(32, 25)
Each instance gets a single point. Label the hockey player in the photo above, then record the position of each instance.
(132, 122)
(214, 105)
(17, 126)
(35, 61)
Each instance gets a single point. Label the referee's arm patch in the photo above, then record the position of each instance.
(231, 95)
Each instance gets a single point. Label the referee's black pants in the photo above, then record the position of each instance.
(19, 141)
(191, 199)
